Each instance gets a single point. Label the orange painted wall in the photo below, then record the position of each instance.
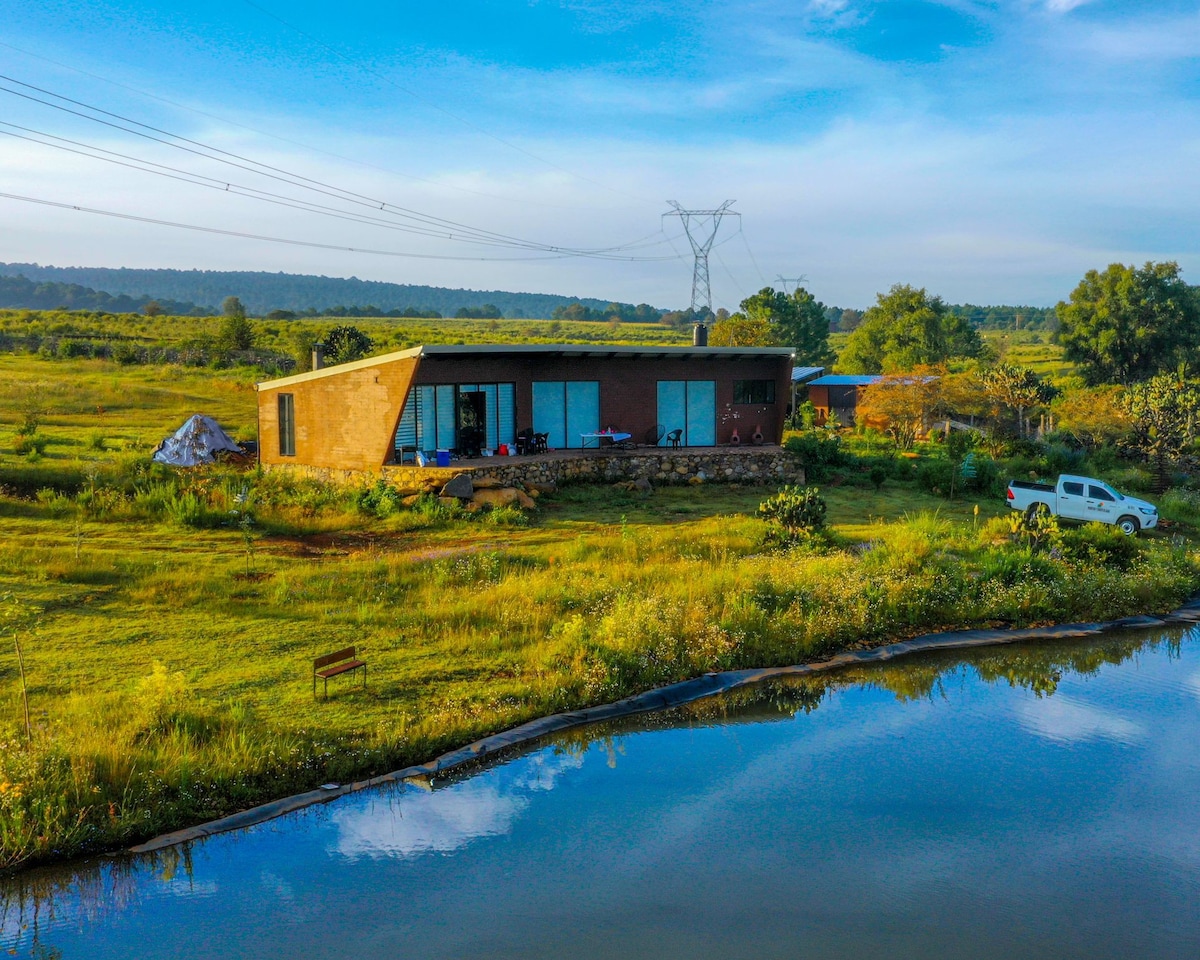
(344, 421)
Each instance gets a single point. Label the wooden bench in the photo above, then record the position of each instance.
(330, 665)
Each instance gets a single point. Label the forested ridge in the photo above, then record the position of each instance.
(261, 292)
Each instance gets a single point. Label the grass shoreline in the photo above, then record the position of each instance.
(170, 689)
(494, 746)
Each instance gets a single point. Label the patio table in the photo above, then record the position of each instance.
(602, 435)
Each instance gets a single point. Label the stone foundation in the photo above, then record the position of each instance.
(755, 465)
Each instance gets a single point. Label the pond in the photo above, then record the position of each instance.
(1040, 800)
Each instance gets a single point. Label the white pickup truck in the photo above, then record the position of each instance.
(1083, 499)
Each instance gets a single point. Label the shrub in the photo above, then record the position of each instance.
(26, 444)
(382, 500)
(818, 450)
(795, 509)
(1100, 543)
(127, 354)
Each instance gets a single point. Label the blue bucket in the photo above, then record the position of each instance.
(443, 458)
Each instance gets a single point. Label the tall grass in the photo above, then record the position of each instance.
(169, 677)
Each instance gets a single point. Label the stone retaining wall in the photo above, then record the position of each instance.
(661, 467)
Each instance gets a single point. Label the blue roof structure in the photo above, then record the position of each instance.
(804, 374)
(845, 380)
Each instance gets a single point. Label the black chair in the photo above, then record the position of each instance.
(674, 438)
(525, 441)
(539, 442)
(655, 434)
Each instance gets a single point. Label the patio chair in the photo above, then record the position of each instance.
(540, 442)
(525, 441)
(655, 434)
(674, 438)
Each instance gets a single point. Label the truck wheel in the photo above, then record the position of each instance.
(1034, 510)
(1129, 526)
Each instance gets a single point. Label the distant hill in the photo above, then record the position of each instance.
(21, 292)
(262, 292)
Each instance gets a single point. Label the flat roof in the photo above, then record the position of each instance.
(450, 351)
(846, 380)
(806, 373)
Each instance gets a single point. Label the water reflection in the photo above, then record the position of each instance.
(449, 817)
(946, 790)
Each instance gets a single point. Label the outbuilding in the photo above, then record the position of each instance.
(838, 394)
(368, 414)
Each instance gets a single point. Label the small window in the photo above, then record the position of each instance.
(1073, 489)
(287, 425)
(1099, 493)
(753, 391)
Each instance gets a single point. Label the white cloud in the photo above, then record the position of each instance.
(1065, 720)
(1065, 6)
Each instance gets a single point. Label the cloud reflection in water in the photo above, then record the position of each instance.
(415, 822)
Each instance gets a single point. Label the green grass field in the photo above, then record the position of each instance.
(167, 649)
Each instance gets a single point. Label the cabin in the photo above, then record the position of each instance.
(839, 394)
(472, 399)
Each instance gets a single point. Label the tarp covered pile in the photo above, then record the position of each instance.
(197, 441)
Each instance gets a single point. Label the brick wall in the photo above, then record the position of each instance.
(344, 421)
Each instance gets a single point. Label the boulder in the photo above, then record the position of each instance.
(643, 486)
(411, 501)
(461, 486)
(546, 487)
(502, 497)
(448, 501)
(486, 483)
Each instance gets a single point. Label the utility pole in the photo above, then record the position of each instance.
(786, 280)
(701, 227)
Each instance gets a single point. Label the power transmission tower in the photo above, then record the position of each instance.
(701, 227)
(786, 280)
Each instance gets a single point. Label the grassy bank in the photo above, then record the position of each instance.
(167, 621)
(168, 656)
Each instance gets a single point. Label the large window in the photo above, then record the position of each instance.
(753, 391)
(689, 406)
(564, 410)
(457, 417)
(287, 425)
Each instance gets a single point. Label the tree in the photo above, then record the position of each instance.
(904, 404)
(1018, 389)
(1163, 411)
(849, 320)
(1126, 324)
(906, 328)
(741, 331)
(798, 321)
(236, 333)
(1093, 415)
(346, 343)
(301, 342)
(152, 309)
(232, 307)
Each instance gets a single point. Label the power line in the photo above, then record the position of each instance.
(761, 276)
(255, 236)
(274, 136)
(416, 96)
(249, 165)
(196, 179)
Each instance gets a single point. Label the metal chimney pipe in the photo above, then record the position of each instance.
(318, 356)
(700, 335)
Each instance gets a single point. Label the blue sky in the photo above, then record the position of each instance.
(992, 152)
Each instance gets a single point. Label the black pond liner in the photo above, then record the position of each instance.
(673, 695)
